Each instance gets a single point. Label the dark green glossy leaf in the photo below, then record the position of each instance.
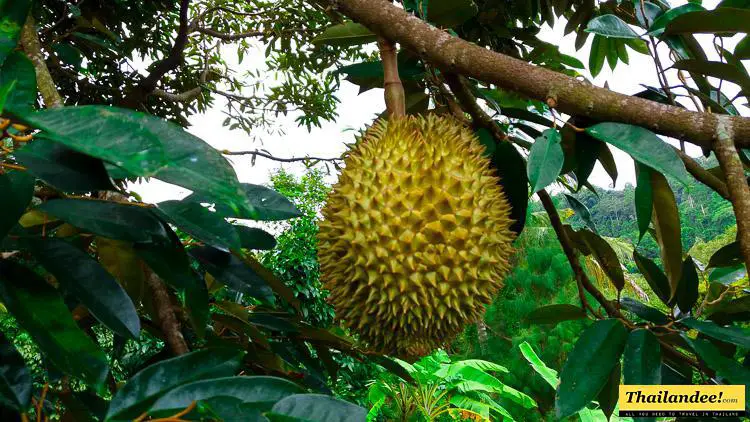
(5, 90)
(230, 409)
(201, 223)
(83, 277)
(255, 238)
(646, 13)
(318, 408)
(727, 256)
(554, 314)
(145, 387)
(511, 168)
(450, 13)
(654, 276)
(69, 55)
(725, 367)
(13, 15)
(607, 398)
(725, 71)
(644, 198)
(523, 114)
(721, 20)
(369, 74)
(145, 146)
(265, 204)
(40, 310)
(15, 379)
(727, 275)
(644, 311)
(642, 359)
(687, 290)
(109, 219)
(62, 167)
(345, 34)
(644, 146)
(259, 391)
(732, 334)
(589, 365)
(582, 211)
(605, 256)
(171, 263)
(657, 28)
(545, 160)
(597, 54)
(19, 70)
(666, 219)
(742, 50)
(610, 26)
(228, 269)
(17, 188)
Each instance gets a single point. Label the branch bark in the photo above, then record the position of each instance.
(739, 191)
(33, 48)
(168, 322)
(572, 96)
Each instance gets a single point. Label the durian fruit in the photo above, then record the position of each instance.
(415, 236)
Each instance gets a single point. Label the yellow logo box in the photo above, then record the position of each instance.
(682, 400)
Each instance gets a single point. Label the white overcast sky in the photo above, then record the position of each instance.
(356, 111)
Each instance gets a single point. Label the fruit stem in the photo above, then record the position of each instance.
(395, 98)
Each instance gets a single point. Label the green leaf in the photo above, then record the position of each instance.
(728, 275)
(644, 311)
(607, 397)
(687, 290)
(109, 219)
(582, 211)
(721, 20)
(727, 256)
(345, 35)
(660, 24)
(13, 15)
(200, 223)
(172, 264)
(255, 238)
(547, 373)
(145, 146)
(742, 49)
(19, 69)
(62, 167)
(647, 14)
(605, 256)
(642, 359)
(318, 408)
(597, 54)
(450, 13)
(725, 367)
(654, 276)
(554, 314)
(463, 402)
(511, 168)
(17, 188)
(719, 70)
(644, 198)
(666, 219)
(83, 277)
(644, 146)
(229, 270)
(145, 387)
(369, 74)
(735, 335)
(259, 391)
(589, 365)
(40, 310)
(610, 26)
(545, 160)
(5, 89)
(265, 204)
(15, 379)
(69, 55)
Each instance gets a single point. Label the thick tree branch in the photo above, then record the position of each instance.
(166, 65)
(282, 160)
(33, 48)
(168, 322)
(459, 87)
(567, 246)
(739, 191)
(703, 175)
(572, 96)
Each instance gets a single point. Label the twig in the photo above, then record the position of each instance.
(283, 160)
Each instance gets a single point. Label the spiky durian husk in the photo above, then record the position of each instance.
(416, 235)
